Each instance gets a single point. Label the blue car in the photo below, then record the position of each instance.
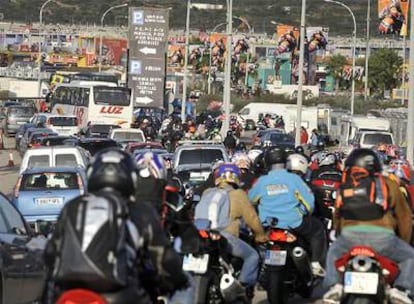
(40, 193)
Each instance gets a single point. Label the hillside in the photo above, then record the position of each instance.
(259, 13)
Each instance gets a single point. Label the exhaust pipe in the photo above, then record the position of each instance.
(301, 260)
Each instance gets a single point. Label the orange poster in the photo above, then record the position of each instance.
(175, 55)
(288, 36)
(393, 16)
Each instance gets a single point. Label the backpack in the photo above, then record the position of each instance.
(362, 197)
(95, 243)
(214, 206)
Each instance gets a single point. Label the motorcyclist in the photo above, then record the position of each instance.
(328, 164)
(286, 196)
(362, 220)
(242, 161)
(113, 172)
(230, 142)
(227, 176)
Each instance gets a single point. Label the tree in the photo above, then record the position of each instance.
(335, 66)
(384, 68)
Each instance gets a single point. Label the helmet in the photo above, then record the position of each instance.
(300, 150)
(112, 168)
(145, 120)
(241, 160)
(150, 164)
(274, 155)
(174, 192)
(297, 163)
(253, 154)
(320, 145)
(401, 169)
(364, 158)
(227, 173)
(328, 160)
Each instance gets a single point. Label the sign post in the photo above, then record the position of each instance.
(147, 38)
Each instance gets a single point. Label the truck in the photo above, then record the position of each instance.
(352, 130)
(250, 114)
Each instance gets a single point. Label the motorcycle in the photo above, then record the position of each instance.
(214, 271)
(367, 276)
(324, 187)
(286, 268)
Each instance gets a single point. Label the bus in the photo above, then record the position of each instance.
(93, 103)
(67, 77)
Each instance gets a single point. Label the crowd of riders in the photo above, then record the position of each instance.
(372, 207)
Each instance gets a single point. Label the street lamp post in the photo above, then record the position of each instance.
(353, 52)
(301, 64)
(102, 24)
(187, 46)
(367, 51)
(209, 57)
(227, 73)
(39, 80)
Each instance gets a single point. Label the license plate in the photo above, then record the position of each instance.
(197, 264)
(275, 257)
(361, 282)
(21, 122)
(49, 201)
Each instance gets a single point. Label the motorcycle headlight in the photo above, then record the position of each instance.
(333, 195)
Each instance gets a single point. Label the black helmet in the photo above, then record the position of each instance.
(364, 158)
(274, 155)
(112, 168)
(300, 150)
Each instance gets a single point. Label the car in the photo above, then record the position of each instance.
(193, 160)
(25, 140)
(34, 139)
(56, 140)
(57, 156)
(40, 193)
(22, 268)
(259, 133)
(136, 146)
(61, 124)
(14, 117)
(282, 140)
(99, 130)
(127, 135)
(95, 144)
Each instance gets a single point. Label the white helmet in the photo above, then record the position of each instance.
(328, 160)
(297, 162)
(253, 154)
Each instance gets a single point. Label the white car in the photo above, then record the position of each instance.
(126, 135)
(61, 124)
(55, 156)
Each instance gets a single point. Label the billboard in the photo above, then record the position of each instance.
(147, 38)
(287, 38)
(393, 16)
(114, 50)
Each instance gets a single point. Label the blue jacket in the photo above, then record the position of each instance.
(283, 195)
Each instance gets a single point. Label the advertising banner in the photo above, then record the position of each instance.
(147, 38)
(393, 16)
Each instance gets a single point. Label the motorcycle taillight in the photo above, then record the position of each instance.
(80, 296)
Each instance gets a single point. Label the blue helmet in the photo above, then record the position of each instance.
(227, 173)
(150, 164)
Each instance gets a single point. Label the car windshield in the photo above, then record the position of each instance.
(63, 121)
(377, 138)
(128, 136)
(281, 138)
(49, 181)
(116, 96)
(53, 141)
(21, 111)
(102, 129)
(200, 156)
